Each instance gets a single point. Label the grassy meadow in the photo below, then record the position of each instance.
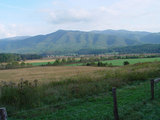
(47, 73)
(120, 62)
(39, 62)
(83, 91)
(117, 62)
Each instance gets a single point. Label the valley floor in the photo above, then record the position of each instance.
(84, 95)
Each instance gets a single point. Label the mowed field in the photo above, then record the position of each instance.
(118, 62)
(46, 74)
(39, 62)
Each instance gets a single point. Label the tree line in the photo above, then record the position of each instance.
(146, 48)
(87, 61)
(9, 57)
(14, 65)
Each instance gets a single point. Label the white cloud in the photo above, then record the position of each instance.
(123, 14)
(130, 8)
(69, 16)
(6, 32)
(12, 30)
(120, 14)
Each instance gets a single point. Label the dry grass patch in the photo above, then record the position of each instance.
(39, 60)
(46, 74)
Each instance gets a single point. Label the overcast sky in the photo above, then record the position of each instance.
(32, 17)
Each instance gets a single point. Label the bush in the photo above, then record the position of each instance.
(125, 63)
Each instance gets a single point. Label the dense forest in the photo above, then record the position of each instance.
(147, 48)
(139, 49)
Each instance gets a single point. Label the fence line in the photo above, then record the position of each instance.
(3, 114)
(153, 82)
(115, 110)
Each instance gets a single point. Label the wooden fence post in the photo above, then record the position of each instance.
(152, 89)
(115, 111)
(3, 114)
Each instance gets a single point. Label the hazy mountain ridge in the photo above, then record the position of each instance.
(70, 41)
(15, 38)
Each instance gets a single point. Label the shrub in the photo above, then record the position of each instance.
(125, 63)
(88, 64)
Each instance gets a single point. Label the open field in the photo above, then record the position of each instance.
(75, 64)
(119, 62)
(39, 62)
(83, 91)
(88, 97)
(44, 74)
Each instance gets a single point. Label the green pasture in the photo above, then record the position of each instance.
(41, 63)
(119, 62)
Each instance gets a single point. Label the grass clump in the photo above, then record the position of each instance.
(22, 95)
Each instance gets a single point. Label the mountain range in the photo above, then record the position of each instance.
(68, 41)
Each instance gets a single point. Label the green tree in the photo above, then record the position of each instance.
(57, 62)
(125, 63)
(22, 64)
(64, 60)
(100, 63)
(69, 60)
(73, 60)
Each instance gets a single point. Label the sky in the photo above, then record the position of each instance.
(33, 17)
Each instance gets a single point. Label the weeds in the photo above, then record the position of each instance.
(22, 95)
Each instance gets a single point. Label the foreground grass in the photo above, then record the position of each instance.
(85, 96)
(133, 101)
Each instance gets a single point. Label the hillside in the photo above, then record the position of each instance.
(146, 48)
(153, 38)
(15, 38)
(63, 41)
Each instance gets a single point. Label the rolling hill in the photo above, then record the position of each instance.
(15, 38)
(67, 41)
